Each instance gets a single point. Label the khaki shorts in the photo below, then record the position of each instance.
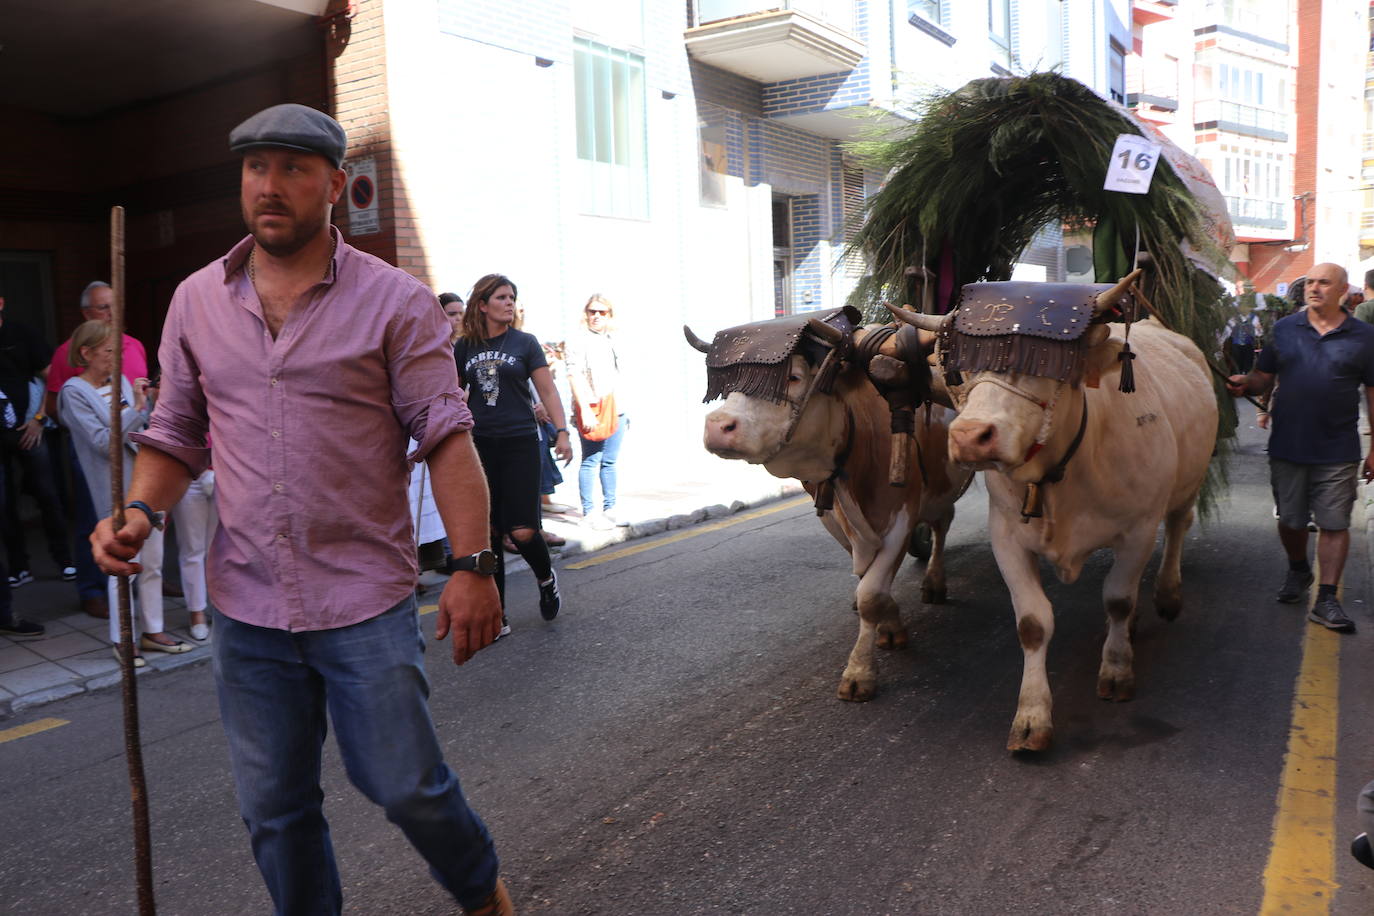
(1324, 493)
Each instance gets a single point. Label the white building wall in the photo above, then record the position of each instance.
(485, 144)
(1340, 125)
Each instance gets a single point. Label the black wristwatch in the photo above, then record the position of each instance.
(157, 518)
(483, 562)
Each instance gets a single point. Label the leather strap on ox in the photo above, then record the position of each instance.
(904, 383)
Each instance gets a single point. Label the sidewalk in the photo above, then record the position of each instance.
(75, 657)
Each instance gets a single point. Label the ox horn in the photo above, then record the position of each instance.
(916, 319)
(826, 332)
(696, 342)
(1106, 300)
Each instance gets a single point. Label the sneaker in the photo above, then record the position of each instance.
(598, 521)
(1359, 848)
(69, 574)
(505, 628)
(19, 628)
(23, 577)
(550, 602)
(1295, 586)
(615, 518)
(1329, 613)
(200, 631)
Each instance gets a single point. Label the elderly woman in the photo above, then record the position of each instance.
(85, 405)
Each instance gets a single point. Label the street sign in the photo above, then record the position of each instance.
(1132, 166)
(363, 215)
(1281, 288)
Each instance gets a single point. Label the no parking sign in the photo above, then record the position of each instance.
(363, 215)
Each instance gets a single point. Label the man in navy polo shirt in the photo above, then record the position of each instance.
(1319, 357)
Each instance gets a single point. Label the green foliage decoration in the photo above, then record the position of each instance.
(984, 168)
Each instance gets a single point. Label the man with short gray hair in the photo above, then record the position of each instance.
(1321, 356)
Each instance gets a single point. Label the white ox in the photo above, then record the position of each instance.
(873, 520)
(1142, 461)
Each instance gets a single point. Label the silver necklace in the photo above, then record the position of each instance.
(252, 261)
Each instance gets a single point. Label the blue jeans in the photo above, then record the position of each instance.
(600, 457)
(274, 690)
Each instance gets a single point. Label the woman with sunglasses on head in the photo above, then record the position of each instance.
(594, 375)
(496, 363)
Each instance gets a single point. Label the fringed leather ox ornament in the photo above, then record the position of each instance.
(1031, 328)
(754, 360)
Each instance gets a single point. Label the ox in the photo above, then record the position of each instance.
(798, 403)
(1070, 467)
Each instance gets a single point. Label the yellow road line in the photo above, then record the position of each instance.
(1301, 875)
(689, 533)
(428, 609)
(33, 728)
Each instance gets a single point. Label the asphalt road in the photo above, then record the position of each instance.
(672, 745)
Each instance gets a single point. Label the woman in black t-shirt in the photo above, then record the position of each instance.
(496, 364)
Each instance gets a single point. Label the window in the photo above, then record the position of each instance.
(1116, 72)
(999, 21)
(999, 31)
(611, 141)
(1054, 35)
(715, 163)
(930, 10)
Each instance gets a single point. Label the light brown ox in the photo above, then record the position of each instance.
(872, 519)
(1142, 461)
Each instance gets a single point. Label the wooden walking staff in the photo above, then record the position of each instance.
(133, 744)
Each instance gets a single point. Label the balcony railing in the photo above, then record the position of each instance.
(839, 13)
(1251, 211)
(1245, 119)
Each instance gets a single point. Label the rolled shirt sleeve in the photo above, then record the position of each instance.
(179, 423)
(424, 379)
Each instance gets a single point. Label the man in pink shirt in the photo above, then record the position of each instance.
(95, 306)
(309, 363)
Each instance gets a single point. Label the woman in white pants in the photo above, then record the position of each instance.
(85, 408)
(195, 518)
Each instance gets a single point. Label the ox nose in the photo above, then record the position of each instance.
(973, 441)
(721, 432)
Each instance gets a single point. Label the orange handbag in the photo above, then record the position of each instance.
(607, 419)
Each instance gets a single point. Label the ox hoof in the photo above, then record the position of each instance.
(933, 595)
(1024, 738)
(891, 637)
(856, 690)
(1168, 607)
(1119, 689)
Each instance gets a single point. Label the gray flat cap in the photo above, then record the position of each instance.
(292, 126)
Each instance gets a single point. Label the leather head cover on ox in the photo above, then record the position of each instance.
(752, 359)
(1033, 328)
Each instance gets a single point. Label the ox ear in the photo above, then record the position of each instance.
(1100, 349)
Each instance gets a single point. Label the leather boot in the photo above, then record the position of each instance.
(498, 904)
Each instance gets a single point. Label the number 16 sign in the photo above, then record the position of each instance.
(1132, 165)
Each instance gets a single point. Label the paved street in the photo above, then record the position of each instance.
(672, 745)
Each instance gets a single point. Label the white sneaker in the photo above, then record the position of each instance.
(200, 631)
(616, 518)
(598, 521)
